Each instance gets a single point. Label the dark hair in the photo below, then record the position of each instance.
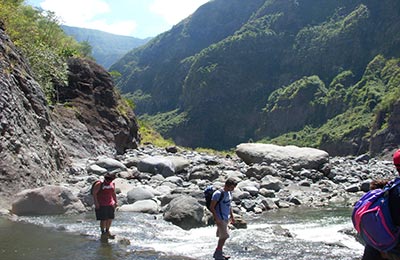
(378, 184)
(109, 176)
(231, 182)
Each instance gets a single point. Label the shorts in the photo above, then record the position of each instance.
(222, 230)
(105, 212)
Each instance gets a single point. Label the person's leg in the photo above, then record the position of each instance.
(108, 225)
(103, 226)
(110, 217)
(222, 234)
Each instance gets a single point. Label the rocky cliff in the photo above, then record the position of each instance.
(37, 142)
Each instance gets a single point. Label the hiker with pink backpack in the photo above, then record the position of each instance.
(376, 217)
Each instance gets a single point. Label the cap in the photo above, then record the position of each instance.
(396, 158)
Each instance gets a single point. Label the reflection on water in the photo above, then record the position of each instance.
(315, 235)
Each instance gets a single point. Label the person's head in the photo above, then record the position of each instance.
(230, 184)
(109, 177)
(396, 160)
(378, 184)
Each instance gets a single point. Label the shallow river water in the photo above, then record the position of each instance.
(316, 234)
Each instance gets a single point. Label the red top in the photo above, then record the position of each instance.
(105, 196)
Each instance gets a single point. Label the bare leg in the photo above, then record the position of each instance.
(103, 225)
(108, 225)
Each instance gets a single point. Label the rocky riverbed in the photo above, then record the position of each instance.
(171, 181)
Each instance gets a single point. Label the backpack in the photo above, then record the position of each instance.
(93, 184)
(372, 220)
(208, 193)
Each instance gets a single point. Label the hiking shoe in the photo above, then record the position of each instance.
(218, 255)
(104, 237)
(109, 235)
(225, 255)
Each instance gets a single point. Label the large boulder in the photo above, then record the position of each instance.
(109, 164)
(166, 166)
(144, 206)
(304, 157)
(139, 193)
(48, 200)
(185, 212)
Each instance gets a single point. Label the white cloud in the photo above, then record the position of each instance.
(173, 11)
(82, 13)
(76, 11)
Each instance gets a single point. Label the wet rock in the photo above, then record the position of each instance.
(185, 212)
(48, 200)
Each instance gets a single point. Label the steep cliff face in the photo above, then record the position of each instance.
(91, 117)
(386, 140)
(36, 142)
(30, 153)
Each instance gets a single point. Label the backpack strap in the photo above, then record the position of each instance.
(220, 199)
(101, 185)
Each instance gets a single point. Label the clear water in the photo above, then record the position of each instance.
(316, 235)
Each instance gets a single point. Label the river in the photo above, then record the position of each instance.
(315, 235)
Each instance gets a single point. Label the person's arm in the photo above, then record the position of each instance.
(231, 216)
(96, 190)
(214, 211)
(115, 197)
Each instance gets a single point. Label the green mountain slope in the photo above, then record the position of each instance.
(235, 71)
(107, 48)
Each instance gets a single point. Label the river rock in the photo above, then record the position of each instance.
(185, 212)
(123, 186)
(144, 206)
(47, 200)
(271, 183)
(157, 165)
(139, 193)
(309, 158)
(110, 164)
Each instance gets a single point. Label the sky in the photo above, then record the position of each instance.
(137, 18)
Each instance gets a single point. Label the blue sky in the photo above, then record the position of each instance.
(138, 18)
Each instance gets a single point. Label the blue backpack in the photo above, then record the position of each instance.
(372, 220)
(208, 193)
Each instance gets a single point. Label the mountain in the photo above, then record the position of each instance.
(315, 73)
(38, 142)
(107, 48)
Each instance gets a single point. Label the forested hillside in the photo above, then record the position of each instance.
(303, 72)
(107, 48)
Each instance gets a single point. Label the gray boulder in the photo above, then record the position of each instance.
(48, 200)
(185, 212)
(271, 183)
(139, 193)
(110, 164)
(166, 166)
(304, 157)
(144, 206)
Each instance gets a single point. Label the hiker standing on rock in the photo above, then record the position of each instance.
(223, 215)
(370, 253)
(105, 201)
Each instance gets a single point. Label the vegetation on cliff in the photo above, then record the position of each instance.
(280, 67)
(39, 36)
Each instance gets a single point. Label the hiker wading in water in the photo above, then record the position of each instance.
(105, 201)
(223, 215)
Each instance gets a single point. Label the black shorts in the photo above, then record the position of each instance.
(105, 212)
